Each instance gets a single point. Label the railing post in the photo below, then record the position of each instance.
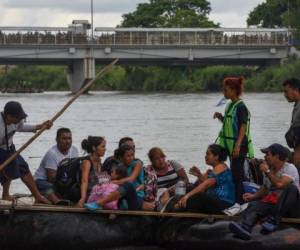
(195, 38)
(147, 38)
(21, 38)
(163, 41)
(55, 39)
(130, 38)
(114, 39)
(4, 38)
(179, 38)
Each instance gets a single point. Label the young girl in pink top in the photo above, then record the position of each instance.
(106, 186)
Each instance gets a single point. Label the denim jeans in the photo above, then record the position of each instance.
(128, 193)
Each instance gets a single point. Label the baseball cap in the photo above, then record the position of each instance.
(277, 149)
(14, 109)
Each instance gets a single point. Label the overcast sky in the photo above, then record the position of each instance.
(107, 13)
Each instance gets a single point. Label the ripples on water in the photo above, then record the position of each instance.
(181, 124)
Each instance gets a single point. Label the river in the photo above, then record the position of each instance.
(181, 124)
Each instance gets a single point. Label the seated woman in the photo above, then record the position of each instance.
(126, 154)
(215, 190)
(131, 188)
(162, 175)
(114, 160)
(92, 173)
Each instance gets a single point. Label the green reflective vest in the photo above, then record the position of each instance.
(229, 132)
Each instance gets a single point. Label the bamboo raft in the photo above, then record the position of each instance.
(55, 227)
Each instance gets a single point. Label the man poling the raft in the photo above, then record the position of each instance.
(12, 164)
(12, 121)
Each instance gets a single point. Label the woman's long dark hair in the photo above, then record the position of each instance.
(219, 151)
(92, 141)
(120, 152)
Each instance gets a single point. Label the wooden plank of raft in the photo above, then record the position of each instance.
(52, 208)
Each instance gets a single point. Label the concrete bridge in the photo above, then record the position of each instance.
(75, 47)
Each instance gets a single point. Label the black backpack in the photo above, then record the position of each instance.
(252, 172)
(68, 178)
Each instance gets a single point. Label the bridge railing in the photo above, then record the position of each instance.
(40, 36)
(145, 36)
(173, 36)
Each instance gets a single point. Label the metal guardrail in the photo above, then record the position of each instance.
(145, 36)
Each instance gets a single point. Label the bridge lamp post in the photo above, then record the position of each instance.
(92, 18)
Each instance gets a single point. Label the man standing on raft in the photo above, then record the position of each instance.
(11, 121)
(291, 88)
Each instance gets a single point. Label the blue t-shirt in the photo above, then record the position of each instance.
(224, 188)
(140, 179)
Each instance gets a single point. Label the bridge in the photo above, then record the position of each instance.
(75, 47)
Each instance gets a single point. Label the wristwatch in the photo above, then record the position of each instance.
(268, 171)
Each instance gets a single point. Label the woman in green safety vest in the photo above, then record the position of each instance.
(235, 133)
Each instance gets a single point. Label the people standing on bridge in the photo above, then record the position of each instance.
(12, 121)
(235, 133)
(291, 89)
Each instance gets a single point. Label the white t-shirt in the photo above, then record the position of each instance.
(288, 170)
(52, 159)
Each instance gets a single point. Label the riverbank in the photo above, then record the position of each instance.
(154, 79)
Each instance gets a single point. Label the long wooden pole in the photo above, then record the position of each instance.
(59, 113)
(53, 208)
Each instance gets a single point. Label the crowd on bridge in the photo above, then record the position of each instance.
(146, 38)
(269, 186)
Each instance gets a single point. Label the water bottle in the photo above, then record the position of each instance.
(180, 188)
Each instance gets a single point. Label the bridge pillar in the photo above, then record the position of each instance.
(79, 72)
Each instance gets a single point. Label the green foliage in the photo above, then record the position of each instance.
(110, 81)
(148, 79)
(268, 14)
(271, 78)
(170, 13)
(211, 78)
(38, 77)
(292, 19)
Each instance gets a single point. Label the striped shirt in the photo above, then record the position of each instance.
(171, 177)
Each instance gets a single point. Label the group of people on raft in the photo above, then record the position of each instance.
(123, 182)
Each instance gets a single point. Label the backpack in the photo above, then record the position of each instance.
(68, 178)
(252, 172)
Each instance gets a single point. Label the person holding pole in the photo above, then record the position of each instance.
(12, 121)
(16, 123)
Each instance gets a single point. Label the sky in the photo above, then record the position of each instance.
(107, 13)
